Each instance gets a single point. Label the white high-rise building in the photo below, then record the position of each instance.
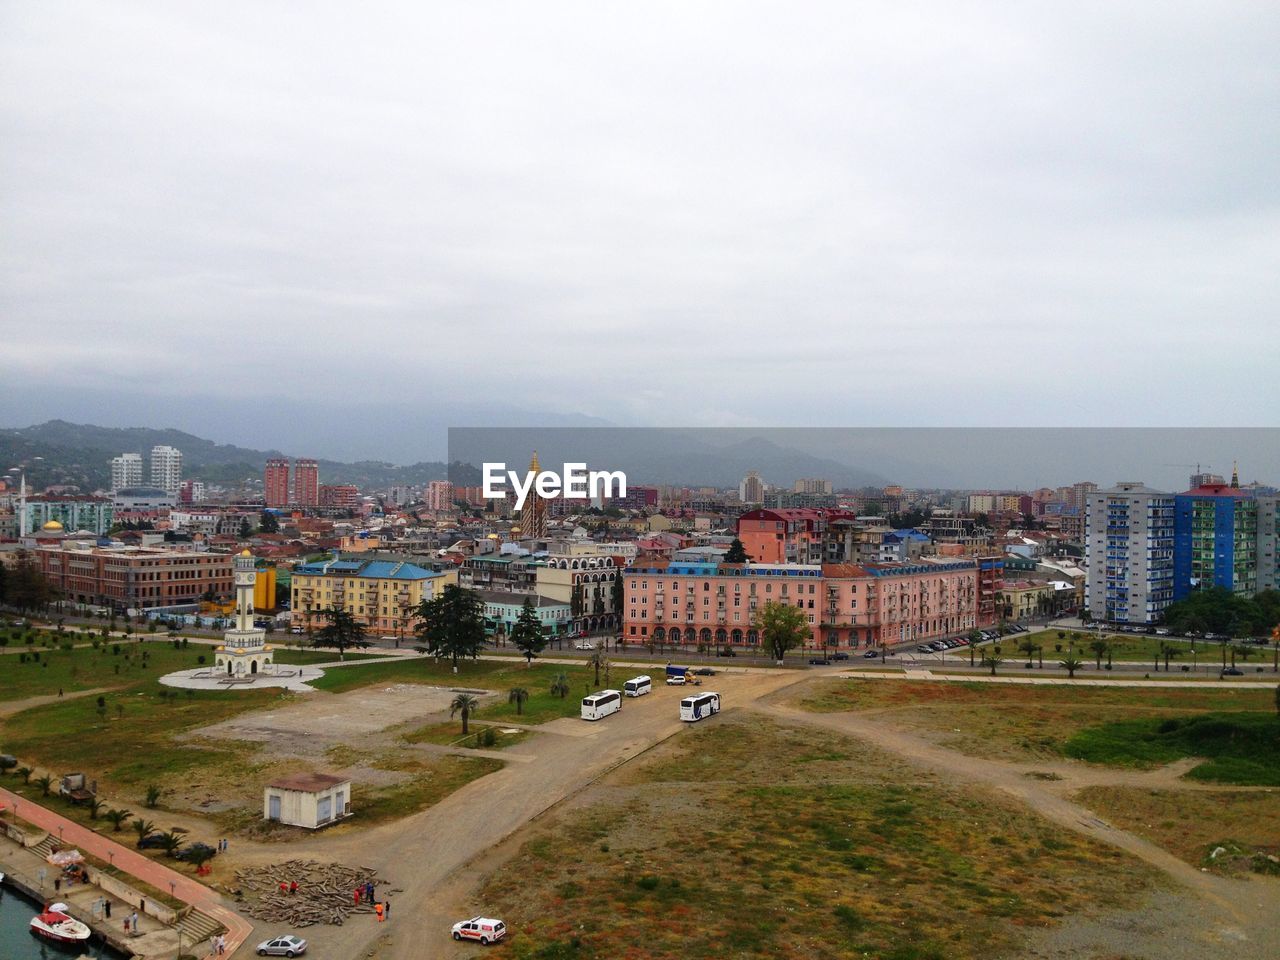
(166, 468)
(126, 471)
(1129, 553)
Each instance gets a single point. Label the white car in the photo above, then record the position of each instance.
(286, 946)
(676, 680)
(586, 645)
(484, 929)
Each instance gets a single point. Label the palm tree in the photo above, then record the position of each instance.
(1167, 650)
(463, 703)
(1029, 648)
(116, 816)
(143, 828)
(1100, 647)
(597, 660)
(1071, 663)
(992, 660)
(518, 696)
(25, 773)
(560, 685)
(95, 807)
(45, 783)
(153, 797)
(171, 841)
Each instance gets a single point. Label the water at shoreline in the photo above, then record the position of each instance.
(18, 943)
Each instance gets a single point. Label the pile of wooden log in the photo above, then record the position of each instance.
(326, 892)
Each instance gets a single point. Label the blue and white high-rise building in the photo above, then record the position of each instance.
(1129, 549)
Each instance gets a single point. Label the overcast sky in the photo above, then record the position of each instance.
(686, 213)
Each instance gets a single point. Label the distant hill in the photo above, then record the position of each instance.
(693, 457)
(80, 454)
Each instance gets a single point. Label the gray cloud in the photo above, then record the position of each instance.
(722, 214)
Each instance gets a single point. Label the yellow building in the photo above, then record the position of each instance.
(1024, 599)
(381, 594)
(264, 590)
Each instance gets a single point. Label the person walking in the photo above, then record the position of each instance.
(133, 921)
(293, 887)
(357, 896)
(386, 908)
(378, 909)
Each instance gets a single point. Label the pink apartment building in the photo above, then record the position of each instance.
(848, 606)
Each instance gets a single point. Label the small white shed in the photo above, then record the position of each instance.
(308, 800)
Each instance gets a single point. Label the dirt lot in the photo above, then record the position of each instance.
(309, 727)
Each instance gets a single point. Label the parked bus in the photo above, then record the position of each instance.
(600, 705)
(637, 687)
(699, 706)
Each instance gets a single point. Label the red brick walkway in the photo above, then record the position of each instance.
(133, 862)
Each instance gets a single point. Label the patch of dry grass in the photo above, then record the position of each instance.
(748, 838)
(1191, 823)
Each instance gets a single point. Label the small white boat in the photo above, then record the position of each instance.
(59, 926)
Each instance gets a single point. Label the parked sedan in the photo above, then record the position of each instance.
(841, 655)
(871, 655)
(286, 946)
(586, 645)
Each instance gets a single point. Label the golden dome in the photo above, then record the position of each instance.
(51, 526)
(245, 552)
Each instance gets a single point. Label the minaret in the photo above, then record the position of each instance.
(533, 515)
(1235, 473)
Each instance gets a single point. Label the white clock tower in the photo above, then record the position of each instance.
(244, 651)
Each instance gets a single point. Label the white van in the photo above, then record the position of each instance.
(637, 686)
(600, 705)
(699, 706)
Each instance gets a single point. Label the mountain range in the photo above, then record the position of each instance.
(80, 454)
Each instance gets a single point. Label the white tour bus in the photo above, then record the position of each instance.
(699, 706)
(600, 705)
(637, 686)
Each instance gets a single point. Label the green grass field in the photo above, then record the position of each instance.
(1133, 648)
(1240, 748)
(44, 671)
(471, 673)
(1021, 722)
